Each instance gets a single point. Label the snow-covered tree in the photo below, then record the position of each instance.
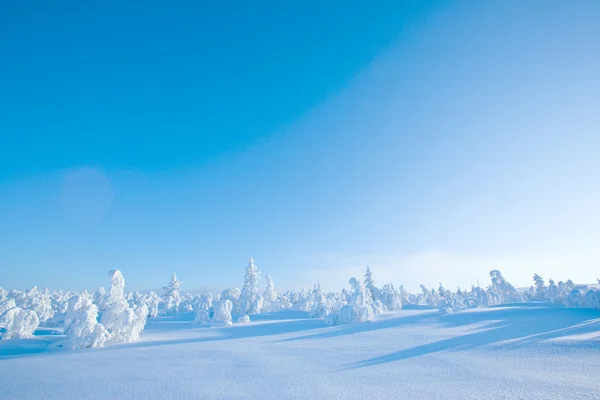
(152, 300)
(123, 323)
(233, 295)
(553, 293)
(6, 304)
(592, 299)
(283, 301)
(540, 287)
(270, 297)
(100, 298)
(370, 283)
(172, 296)
(575, 298)
(244, 319)
(250, 299)
(391, 298)
(223, 312)
(204, 308)
(359, 306)
(81, 325)
(19, 323)
(320, 307)
(503, 288)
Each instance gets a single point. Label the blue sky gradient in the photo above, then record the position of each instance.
(434, 141)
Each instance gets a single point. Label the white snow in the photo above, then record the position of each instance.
(530, 351)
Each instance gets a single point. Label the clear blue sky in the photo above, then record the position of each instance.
(432, 140)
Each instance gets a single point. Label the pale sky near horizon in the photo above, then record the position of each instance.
(433, 141)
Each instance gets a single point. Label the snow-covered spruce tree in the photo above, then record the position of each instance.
(540, 287)
(233, 295)
(370, 283)
(391, 298)
(6, 304)
(553, 293)
(359, 307)
(172, 296)
(152, 300)
(187, 302)
(60, 301)
(575, 298)
(250, 299)
(504, 289)
(223, 312)
(99, 298)
(426, 297)
(320, 307)
(270, 296)
(19, 323)
(283, 301)
(204, 308)
(529, 294)
(306, 300)
(122, 322)
(33, 299)
(563, 292)
(81, 324)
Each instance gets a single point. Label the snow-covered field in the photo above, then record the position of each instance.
(527, 351)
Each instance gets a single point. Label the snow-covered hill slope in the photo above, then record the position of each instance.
(521, 352)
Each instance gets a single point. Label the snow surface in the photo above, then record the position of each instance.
(527, 351)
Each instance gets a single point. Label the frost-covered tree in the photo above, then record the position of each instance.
(123, 323)
(233, 295)
(283, 301)
(60, 301)
(204, 308)
(359, 306)
(391, 298)
(244, 319)
(553, 293)
(41, 303)
(370, 283)
(320, 307)
(152, 300)
(503, 288)
(99, 298)
(540, 287)
(172, 296)
(81, 325)
(19, 323)
(250, 299)
(223, 312)
(6, 304)
(302, 301)
(575, 298)
(270, 297)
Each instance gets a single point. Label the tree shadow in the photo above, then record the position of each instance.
(516, 326)
(269, 324)
(351, 329)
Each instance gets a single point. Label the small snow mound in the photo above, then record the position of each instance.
(244, 320)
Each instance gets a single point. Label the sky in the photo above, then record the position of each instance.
(434, 141)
